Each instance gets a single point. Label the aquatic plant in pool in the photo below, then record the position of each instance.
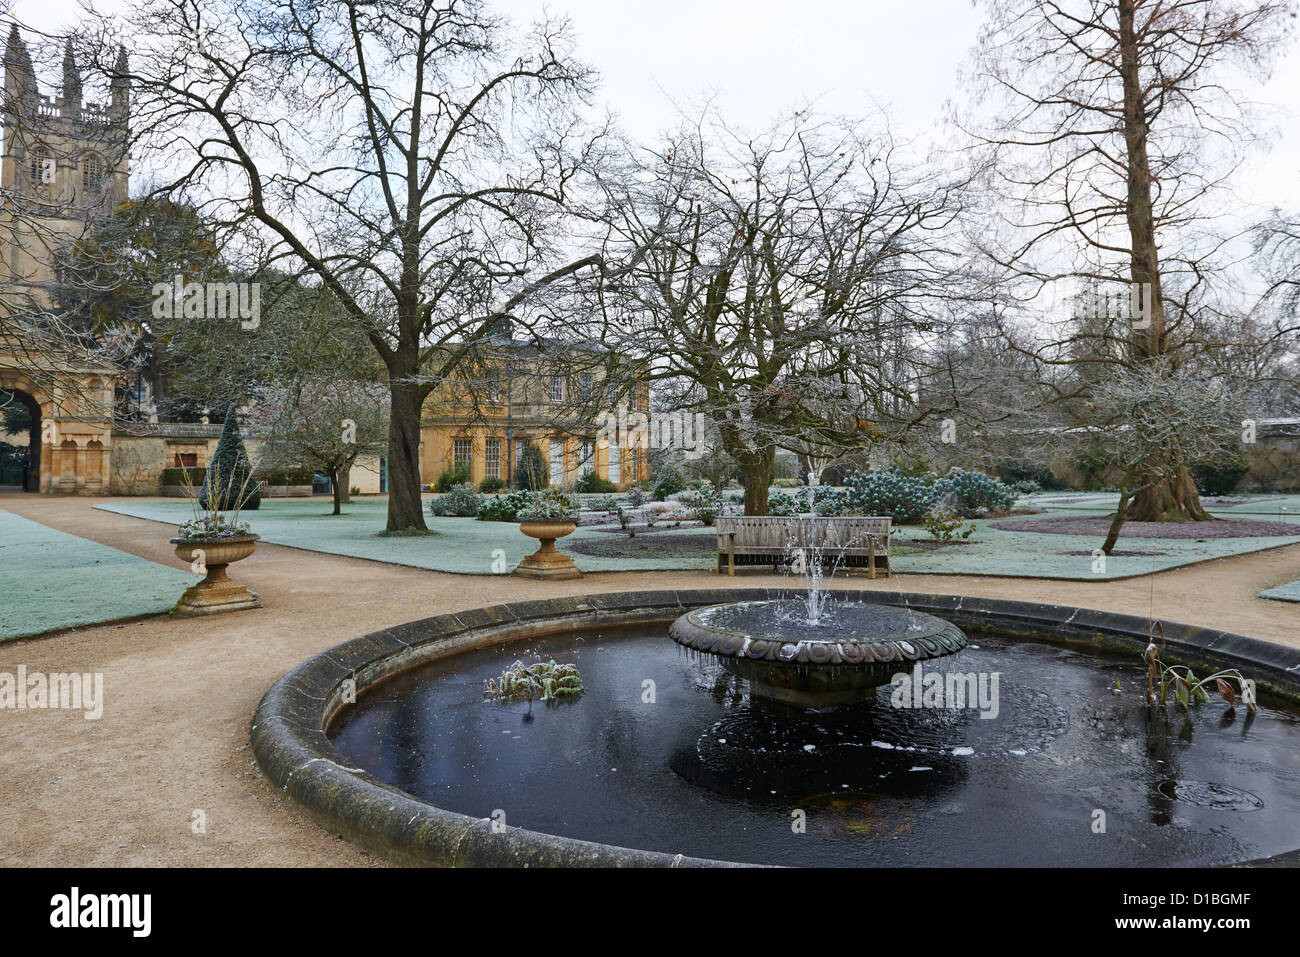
(1189, 689)
(543, 679)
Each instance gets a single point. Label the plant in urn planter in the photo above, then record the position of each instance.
(549, 515)
(212, 540)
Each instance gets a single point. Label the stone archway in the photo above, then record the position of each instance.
(31, 477)
(70, 434)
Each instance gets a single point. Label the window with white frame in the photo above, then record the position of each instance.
(557, 461)
(557, 388)
(586, 457)
(615, 464)
(462, 453)
(492, 459)
(585, 384)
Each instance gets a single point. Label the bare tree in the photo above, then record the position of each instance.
(1274, 330)
(1113, 140)
(773, 278)
(1277, 244)
(413, 155)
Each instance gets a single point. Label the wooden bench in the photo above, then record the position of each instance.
(850, 541)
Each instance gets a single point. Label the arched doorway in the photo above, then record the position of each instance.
(20, 416)
(64, 404)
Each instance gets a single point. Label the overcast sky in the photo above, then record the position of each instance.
(850, 55)
(761, 56)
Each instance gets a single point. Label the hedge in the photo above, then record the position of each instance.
(176, 476)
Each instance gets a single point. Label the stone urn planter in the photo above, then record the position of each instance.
(217, 592)
(546, 562)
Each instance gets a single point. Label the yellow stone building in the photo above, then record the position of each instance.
(557, 397)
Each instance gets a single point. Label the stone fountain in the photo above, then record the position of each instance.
(843, 656)
(811, 651)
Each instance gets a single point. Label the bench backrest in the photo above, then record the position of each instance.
(806, 531)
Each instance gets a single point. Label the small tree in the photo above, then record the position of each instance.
(228, 483)
(327, 423)
(1154, 421)
(713, 465)
(772, 275)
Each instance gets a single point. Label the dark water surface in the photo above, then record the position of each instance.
(700, 770)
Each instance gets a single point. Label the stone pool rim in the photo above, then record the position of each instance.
(291, 745)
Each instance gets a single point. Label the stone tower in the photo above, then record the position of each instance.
(64, 164)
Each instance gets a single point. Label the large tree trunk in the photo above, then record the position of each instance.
(1149, 343)
(335, 476)
(757, 470)
(1174, 500)
(405, 510)
(345, 477)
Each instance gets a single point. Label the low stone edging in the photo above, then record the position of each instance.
(291, 746)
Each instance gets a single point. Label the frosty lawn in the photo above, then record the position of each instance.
(993, 551)
(51, 580)
(1288, 592)
(467, 546)
(462, 545)
(1269, 505)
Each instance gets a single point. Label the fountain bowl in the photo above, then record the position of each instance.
(852, 649)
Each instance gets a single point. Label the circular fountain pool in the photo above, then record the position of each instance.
(668, 754)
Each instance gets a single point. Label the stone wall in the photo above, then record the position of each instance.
(1274, 461)
(140, 454)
